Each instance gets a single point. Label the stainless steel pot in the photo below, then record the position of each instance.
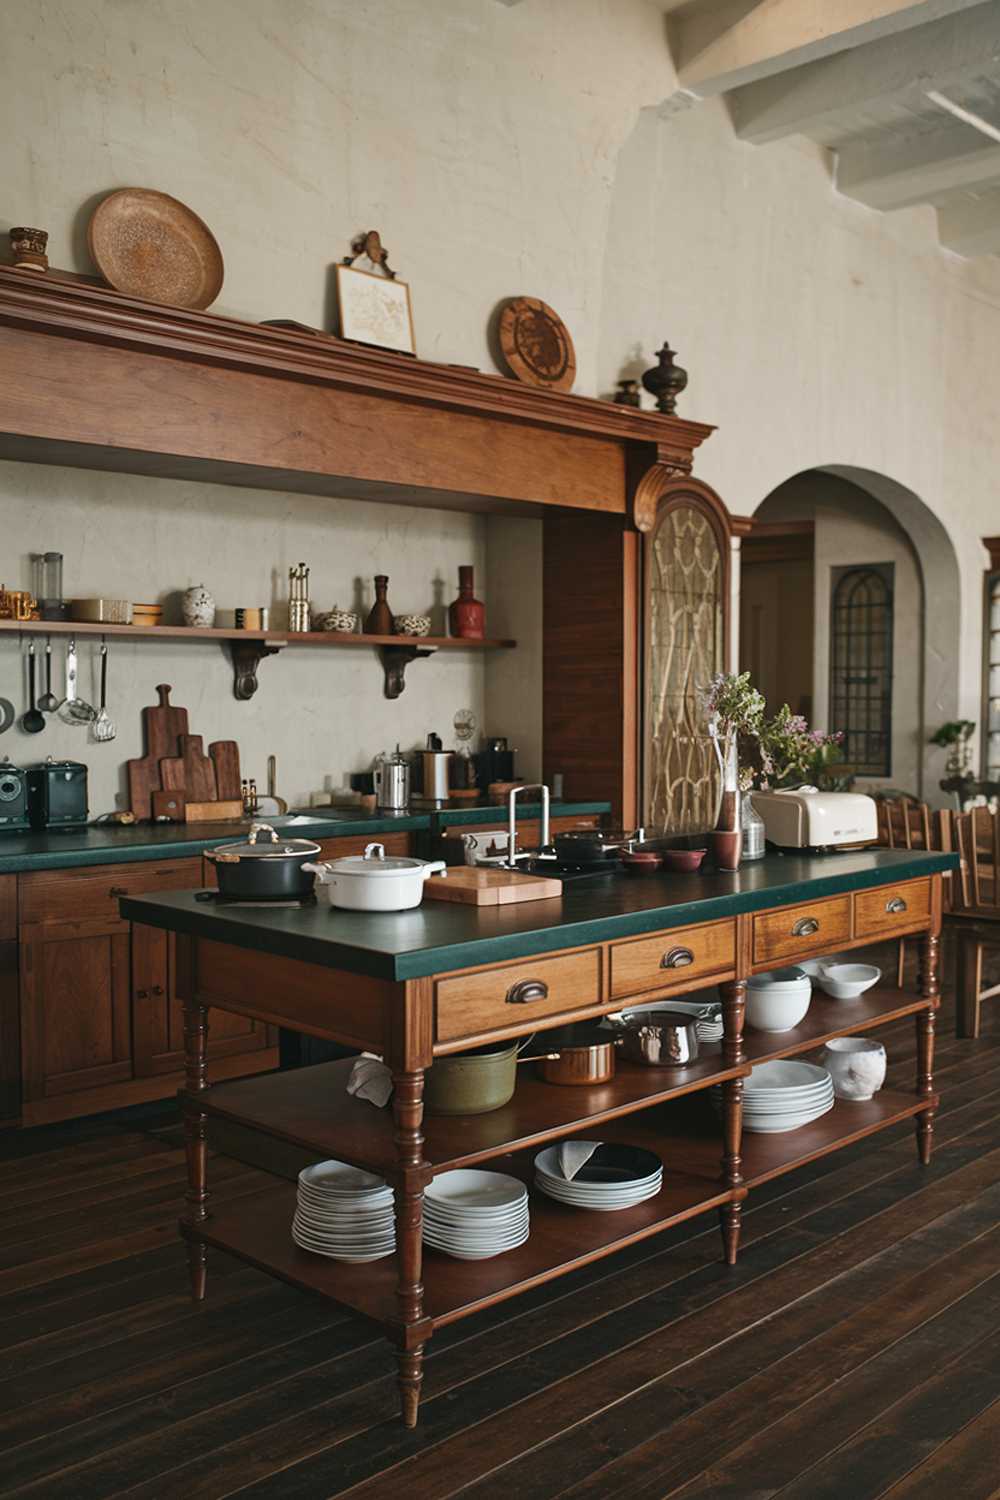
(264, 866)
(659, 1038)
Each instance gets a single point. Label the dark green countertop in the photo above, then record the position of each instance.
(109, 844)
(441, 935)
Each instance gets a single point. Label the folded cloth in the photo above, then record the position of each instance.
(575, 1154)
(370, 1079)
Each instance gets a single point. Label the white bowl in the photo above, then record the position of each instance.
(848, 981)
(778, 1009)
(857, 1066)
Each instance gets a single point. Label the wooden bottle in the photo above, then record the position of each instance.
(467, 615)
(380, 621)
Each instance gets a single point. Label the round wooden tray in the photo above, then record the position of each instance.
(536, 344)
(147, 244)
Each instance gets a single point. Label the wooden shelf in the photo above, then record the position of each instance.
(257, 1229)
(767, 1156)
(311, 1108)
(828, 1018)
(249, 647)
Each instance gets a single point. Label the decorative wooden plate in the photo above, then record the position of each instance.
(536, 344)
(147, 244)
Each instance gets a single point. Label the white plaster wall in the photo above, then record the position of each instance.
(532, 148)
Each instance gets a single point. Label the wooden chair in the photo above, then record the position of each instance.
(906, 824)
(974, 915)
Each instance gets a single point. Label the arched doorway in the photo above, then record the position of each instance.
(885, 673)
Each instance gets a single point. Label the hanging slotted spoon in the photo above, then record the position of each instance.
(105, 727)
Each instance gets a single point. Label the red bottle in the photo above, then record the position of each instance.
(467, 616)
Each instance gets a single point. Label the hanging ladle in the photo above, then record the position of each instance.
(32, 722)
(74, 710)
(48, 702)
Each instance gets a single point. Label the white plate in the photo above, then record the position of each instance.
(475, 1215)
(488, 1242)
(783, 1073)
(459, 1253)
(455, 1226)
(339, 1176)
(471, 1189)
(775, 1126)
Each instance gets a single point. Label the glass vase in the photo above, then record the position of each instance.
(753, 830)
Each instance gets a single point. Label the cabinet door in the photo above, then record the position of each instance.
(75, 1023)
(158, 1017)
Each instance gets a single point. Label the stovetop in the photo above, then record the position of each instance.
(272, 903)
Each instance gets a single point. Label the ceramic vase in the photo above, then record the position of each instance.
(380, 621)
(726, 840)
(856, 1065)
(467, 615)
(198, 607)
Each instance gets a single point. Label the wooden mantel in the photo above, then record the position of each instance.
(94, 379)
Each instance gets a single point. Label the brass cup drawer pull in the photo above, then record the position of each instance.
(526, 990)
(895, 904)
(677, 958)
(805, 927)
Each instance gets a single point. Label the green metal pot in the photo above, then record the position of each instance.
(472, 1083)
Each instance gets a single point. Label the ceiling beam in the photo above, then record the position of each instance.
(821, 96)
(970, 226)
(902, 173)
(732, 43)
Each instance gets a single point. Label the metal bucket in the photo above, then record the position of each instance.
(472, 1083)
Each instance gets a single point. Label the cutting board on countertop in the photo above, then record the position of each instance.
(164, 725)
(477, 886)
(172, 774)
(199, 773)
(225, 756)
(143, 781)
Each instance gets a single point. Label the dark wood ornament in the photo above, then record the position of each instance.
(536, 344)
(665, 380)
(370, 244)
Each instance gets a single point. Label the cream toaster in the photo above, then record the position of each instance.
(806, 818)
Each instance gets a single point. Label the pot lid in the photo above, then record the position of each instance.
(263, 842)
(374, 861)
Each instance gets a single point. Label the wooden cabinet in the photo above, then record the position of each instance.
(517, 994)
(100, 1025)
(814, 928)
(672, 958)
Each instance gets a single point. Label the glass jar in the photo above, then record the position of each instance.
(753, 829)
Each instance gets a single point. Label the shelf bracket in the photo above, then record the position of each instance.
(395, 660)
(247, 657)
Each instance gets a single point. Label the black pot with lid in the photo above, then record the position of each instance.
(264, 866)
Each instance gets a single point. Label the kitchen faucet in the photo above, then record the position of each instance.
(512, 795)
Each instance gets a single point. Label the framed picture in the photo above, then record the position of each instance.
(375, 309)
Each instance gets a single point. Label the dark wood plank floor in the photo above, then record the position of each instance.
(854, 1352)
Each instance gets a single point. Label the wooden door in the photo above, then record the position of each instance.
(75, 1015)
(157, 1015)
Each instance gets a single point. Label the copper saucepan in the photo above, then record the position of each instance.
(580, 1054)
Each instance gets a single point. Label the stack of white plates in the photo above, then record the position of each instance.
(475, 1215)
(708, 1012)
(782, 1095)
(344, 1213)
(614, 1176)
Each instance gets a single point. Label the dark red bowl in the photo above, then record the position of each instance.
(639, 862)
(683, 861)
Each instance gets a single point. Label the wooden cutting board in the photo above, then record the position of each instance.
(477, 886)
(143, 781)
(199, 773)
(164, 725)
(172, 774)
(226, 760)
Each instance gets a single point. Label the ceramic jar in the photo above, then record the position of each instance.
(380, 621)
(856, 1065)
(198, 607)
(467, 615)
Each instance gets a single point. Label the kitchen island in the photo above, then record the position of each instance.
(417, 985)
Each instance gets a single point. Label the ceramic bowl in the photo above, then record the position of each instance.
(635, 862)
(778, 1007)
(848, 981)
(413, 624)
(343, 621)
(856, 1064)
(683, 861)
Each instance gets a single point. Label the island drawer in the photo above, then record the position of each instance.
(892, 908)
(799, 931)
(651, 963)
(58, 897)
(493, 999)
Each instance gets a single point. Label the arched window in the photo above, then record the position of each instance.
(861, 666)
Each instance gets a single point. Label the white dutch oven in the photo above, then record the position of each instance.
(373, 882)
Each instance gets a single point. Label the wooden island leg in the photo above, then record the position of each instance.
(734, 997)
(413, 1329)
(929, 987)
(195, 1137)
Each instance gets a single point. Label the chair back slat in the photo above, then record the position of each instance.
(977, 838)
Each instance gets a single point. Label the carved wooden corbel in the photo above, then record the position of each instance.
(650, 485)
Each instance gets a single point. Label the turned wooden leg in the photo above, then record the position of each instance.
(732, 1164)
(408, 1114)
(926, 1020)
(969, 984)
(901, 963)
(195, 1137)
(734, 1004)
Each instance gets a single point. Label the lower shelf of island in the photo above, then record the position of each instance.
(257, 1229)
